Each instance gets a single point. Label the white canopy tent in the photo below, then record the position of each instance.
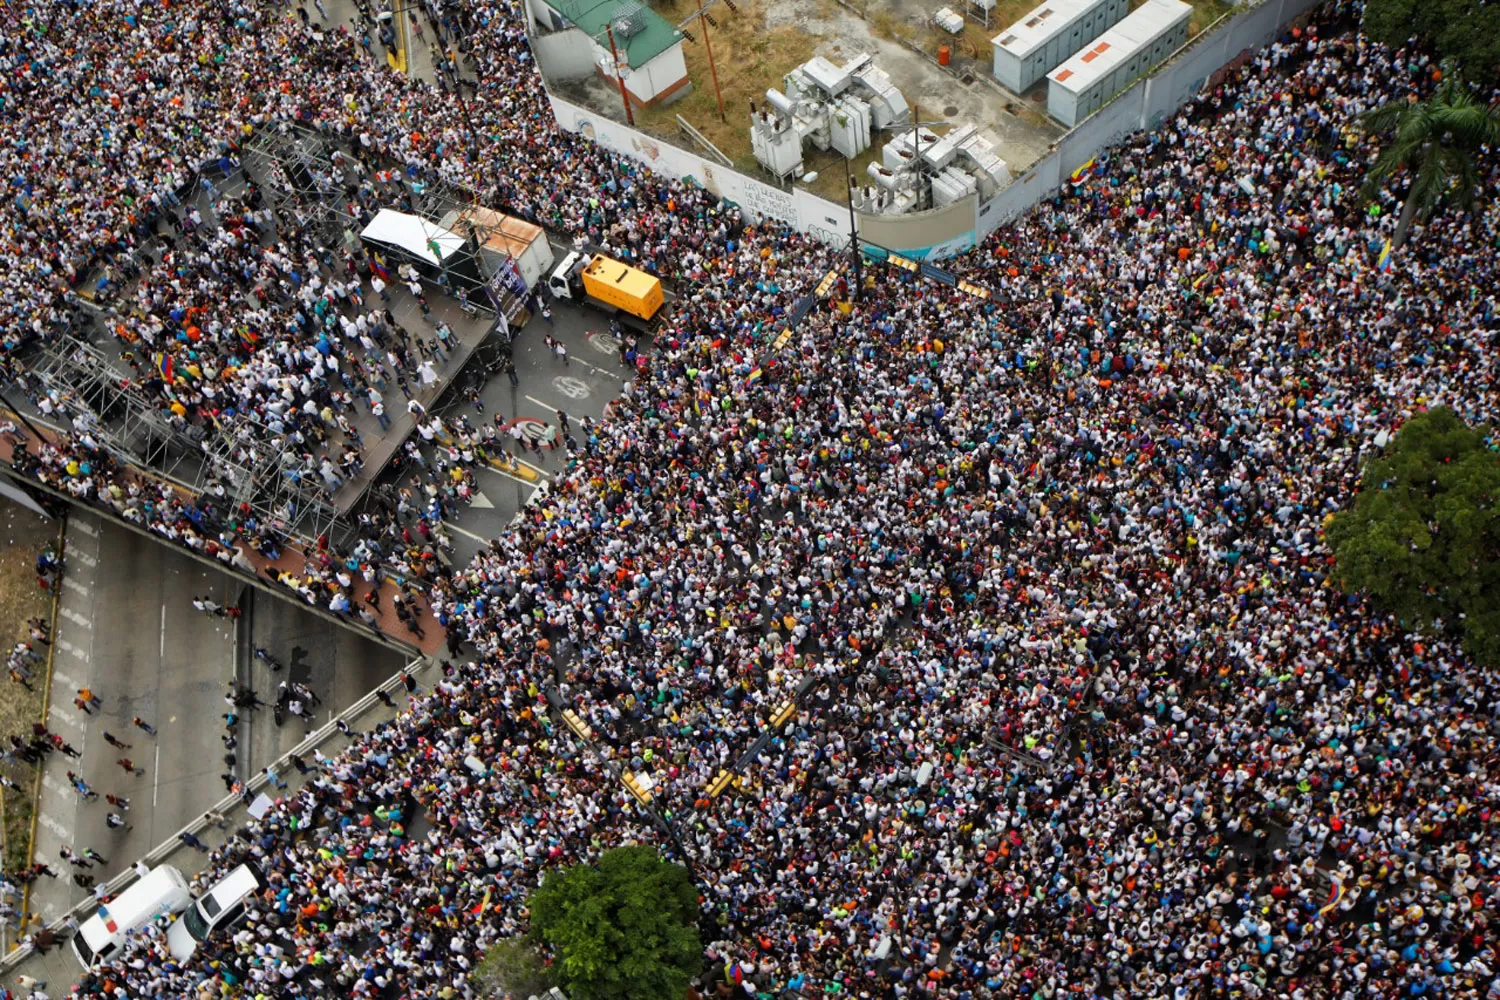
(414, 235)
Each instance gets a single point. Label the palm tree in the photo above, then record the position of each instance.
(1438, 141)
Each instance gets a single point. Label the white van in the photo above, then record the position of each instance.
(220, 907)
(99, 940)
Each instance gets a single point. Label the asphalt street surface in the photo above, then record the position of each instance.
(337, 664)
(582, 385)
(127, 629)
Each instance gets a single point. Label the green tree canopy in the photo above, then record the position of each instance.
(1455, 29)
(1438, 142)
(1423, 536)
(624, 929)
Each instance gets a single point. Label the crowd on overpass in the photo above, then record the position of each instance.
(1078, 710)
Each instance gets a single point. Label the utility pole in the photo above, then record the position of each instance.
(853, 232)
(703, 23)
(619, 77)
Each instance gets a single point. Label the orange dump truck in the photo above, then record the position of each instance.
(625, 292)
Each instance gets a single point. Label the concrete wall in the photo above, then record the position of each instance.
(1145, 104)
(951, 230)
(807, 212)
(930, 235)
(658, 76)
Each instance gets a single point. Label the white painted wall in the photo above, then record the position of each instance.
(659, 74)
(564, 55)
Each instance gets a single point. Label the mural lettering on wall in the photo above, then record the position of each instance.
(765, 200)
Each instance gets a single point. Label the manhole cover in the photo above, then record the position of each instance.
(967, 79)
(950, 111)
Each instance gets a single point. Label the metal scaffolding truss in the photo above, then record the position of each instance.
(122, 419)
(258, 471)
(140, 433)
(294, 165)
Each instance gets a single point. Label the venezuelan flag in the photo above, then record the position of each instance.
(165, 366)
(1335, 895)
(1384, 260)
(1083, 171)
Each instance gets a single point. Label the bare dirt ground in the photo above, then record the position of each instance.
(22, 537)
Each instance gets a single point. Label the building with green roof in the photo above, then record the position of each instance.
(571, 39)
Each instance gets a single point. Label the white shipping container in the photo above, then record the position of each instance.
(1086, 82)
(505, 238)
(1042, 40)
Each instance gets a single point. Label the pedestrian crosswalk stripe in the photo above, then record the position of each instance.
(76, 618)
(73, 584)
(59, 714)
(83, 526)
(54, 826)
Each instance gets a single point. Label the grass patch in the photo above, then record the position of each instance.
(1205, 13)
(22, 537)
(749, 58)
(830, 167)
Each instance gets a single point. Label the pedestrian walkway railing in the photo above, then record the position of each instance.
(202, 825)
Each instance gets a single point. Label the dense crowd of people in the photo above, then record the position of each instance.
(1075, 707)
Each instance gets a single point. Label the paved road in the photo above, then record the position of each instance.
(60, 969)
(337, 664)
(127, 629)
(584, 385)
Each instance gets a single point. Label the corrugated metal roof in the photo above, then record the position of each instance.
(654, 35)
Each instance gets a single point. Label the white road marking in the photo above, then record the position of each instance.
(58, 675)
(83, 526)
(602, 371)
(80, 557)
(61, 714)
(545, 406)
(604, 343)
(466, 534)
(572, 387)
(72, 650)
(76, 618)
(53, 825)
(481, 502)
(162, 649)
(73, 584)
(155, 775)
(53, 783)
